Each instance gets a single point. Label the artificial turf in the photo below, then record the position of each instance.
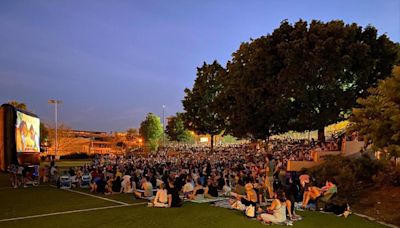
(47, 199)
(67, 163)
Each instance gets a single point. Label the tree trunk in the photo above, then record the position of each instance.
(212, 143)
(321, 134)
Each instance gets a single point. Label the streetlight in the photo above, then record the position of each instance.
(55, 103)
(163, 122)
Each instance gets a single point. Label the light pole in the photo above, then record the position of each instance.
(55, 103)
(163, 123)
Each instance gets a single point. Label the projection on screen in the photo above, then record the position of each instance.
(27, 133)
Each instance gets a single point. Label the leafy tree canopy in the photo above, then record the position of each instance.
(378, 118)
(44, 133)
(151, 130)
(176, 130)
(199, 102)
(302, 77)
(18, 105)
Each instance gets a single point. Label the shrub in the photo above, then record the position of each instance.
(351, 174)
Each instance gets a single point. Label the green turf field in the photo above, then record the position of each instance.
(67, 163)
(46, 199)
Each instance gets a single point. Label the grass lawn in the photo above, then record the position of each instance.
(47, 199)
(67, 163)
(43, 199)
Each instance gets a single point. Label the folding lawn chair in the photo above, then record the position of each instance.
(85, 181)
(65, 182)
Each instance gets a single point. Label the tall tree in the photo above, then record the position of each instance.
(340, 62)
(251, 100)
(199, 102)
(378, 118)
(302, 76)
(151, 130)
(44, 133)
(176, 129)
(18, 105)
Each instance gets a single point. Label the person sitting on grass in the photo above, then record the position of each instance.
(127, 188)
(226, 190)
(239, 188)
(147, 188)
(211, 190)
(108, 188)
(93, 182)
(220, 179)
(276, 213)
(188, 188)
(325, 193)
(126, 183)
(329, 189)
(173, 194)
(311, 192)
(198, 191)
(116, 185)
(27, 176)
(161, 199)
(249, 199)
(101, 185)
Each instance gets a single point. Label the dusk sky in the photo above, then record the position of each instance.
(112, 62)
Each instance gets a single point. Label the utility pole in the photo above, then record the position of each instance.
(163, 122)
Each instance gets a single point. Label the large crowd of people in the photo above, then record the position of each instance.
(249, 175)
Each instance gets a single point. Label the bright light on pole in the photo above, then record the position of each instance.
(55, 103)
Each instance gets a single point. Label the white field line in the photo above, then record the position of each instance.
(6, 188)
(375, 220)
(29, 187)
(68, 212)
(94, 196)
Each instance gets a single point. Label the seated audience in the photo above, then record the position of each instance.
(276, 213)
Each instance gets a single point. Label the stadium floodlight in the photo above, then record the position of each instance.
(55, 103)
(163, 122)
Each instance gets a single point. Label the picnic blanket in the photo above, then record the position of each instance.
(223, 203)
(205, 200)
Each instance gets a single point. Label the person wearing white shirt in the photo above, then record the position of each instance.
(188, 188)
(161, 199)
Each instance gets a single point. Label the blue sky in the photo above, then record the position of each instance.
(111, 62)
